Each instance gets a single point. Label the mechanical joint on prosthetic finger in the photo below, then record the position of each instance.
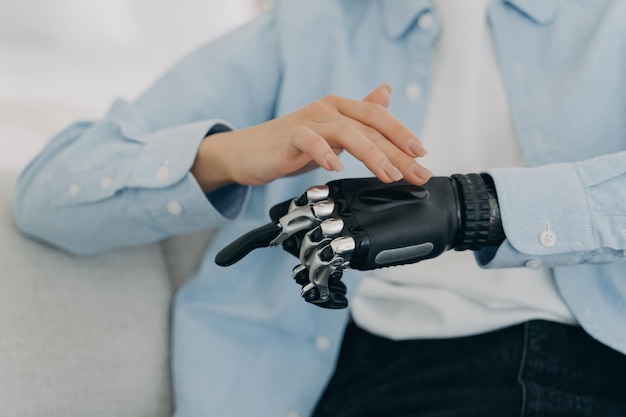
(302, 218)
(364, 224)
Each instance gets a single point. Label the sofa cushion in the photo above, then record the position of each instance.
(81, 336)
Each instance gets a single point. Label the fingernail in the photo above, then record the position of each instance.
(420, 171)
(387, 87)
(416, 147)
(391, 171)
(333, 162)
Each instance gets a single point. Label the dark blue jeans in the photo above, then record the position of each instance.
(534, 369)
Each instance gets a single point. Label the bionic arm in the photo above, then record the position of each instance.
(365, 224)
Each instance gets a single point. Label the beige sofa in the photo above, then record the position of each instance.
(86, 337)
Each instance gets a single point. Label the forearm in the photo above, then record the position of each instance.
(210, 168)
(91, 189)
(562, 214)
(126, 179)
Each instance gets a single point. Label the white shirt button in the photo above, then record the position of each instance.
(426, 21)
(73, 190)
(623, 232)
(106, 183)
(293, 414)
(534, 264)
(163, 173)
(547, 238)
(322, 343)
(174, 208)
(413, 91)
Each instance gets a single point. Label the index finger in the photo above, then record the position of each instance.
(380, 119)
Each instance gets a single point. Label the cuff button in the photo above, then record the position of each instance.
(547, 238)
(106, 183)
(163, 173)
(73, 190)
(534, 264)
(174, 208)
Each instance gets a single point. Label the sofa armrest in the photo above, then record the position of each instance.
(183, 255)
(81, 336)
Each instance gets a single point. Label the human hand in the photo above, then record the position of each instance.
(312, 137)
(364, 224)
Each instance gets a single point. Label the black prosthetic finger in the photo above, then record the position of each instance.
(311, 294)
(302, 219)
(310, 243)
(293, 243)
(319, 237)
(313, 195)
(279, 210)
(310, 196)
(336, 285)
(338, 291)
(300, 274)
(336, 300)
(239, 248)
(335, 293)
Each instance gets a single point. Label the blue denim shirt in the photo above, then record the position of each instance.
(245, 344)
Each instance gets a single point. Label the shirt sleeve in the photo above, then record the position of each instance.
(125, 180)
(561, 214)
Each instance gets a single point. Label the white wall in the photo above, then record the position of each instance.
(64, 60)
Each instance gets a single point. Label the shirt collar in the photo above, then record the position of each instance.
(540, 11)
(399, 15)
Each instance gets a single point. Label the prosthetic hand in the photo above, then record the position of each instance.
(365, 224)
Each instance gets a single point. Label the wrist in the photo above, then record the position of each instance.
(210, 166)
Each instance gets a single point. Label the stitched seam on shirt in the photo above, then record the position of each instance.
(588, 203)
(280, 55)
(522, 363)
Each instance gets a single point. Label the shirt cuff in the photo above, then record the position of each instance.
(538, 208)
(544, 209)
(167, 155)
(169, 192)
(183, 207)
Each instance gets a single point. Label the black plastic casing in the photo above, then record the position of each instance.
(399, 223)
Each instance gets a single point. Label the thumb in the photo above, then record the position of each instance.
(380, 95)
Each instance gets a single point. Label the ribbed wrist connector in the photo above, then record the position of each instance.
(481, 224)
